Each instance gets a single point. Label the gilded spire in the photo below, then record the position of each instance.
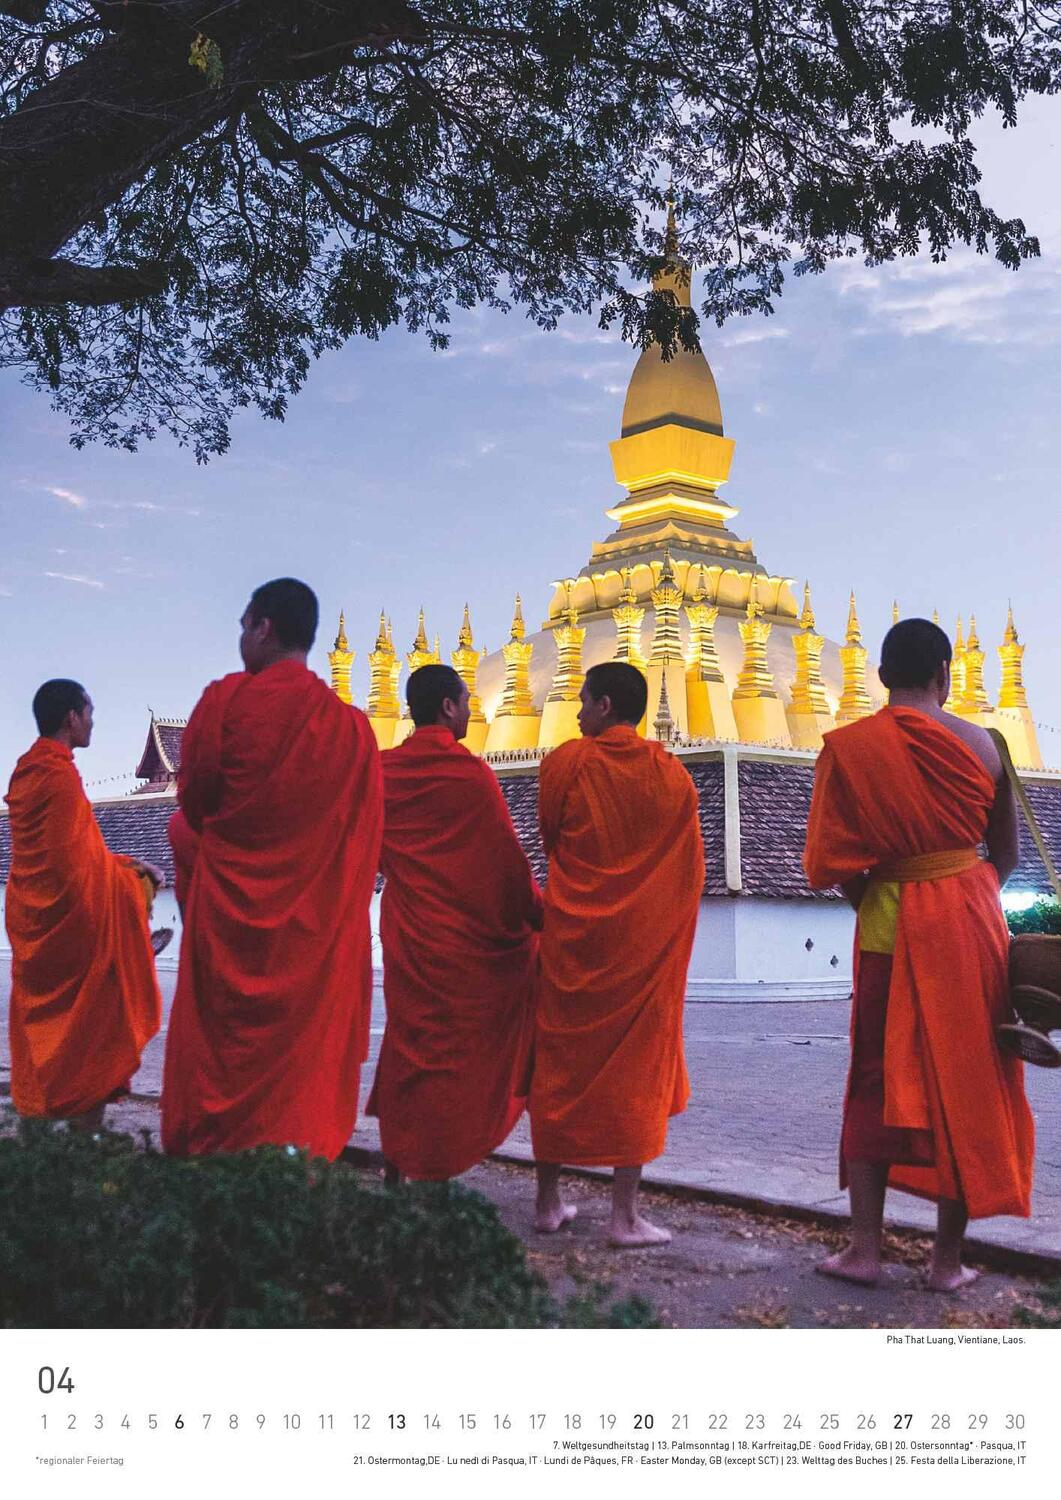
(663, 724)
(666, 600)
(567, 683)
(421, 654)
(895, 611)
(935, 617)
(466, 663)
(519, 629)
(1012, 693)
(974, 699)
(755, 679)
(628, 617)
(340, 660)
(806, 619)
(957, 672)
(701, 660)
(384, 667)
(465, 636)
(855, 702)
(808, 689)
(516, 700)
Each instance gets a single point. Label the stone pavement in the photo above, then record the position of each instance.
(764, 1120)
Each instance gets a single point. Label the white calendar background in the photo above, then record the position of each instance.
(391, 1412)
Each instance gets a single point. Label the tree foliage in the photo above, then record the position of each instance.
(199, 198)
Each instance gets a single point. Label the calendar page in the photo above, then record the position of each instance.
(935, 1413)
(530, 748)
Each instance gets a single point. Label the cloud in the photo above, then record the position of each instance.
(68, 497)
(757, 333)
(91, 583)
(969, 298)
(485, 447)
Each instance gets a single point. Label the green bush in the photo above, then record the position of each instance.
(1043, 916)
(98, 1234)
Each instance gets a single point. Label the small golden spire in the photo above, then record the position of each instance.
(516, 698)
(420, 654)
(663, 724)
(465, 636)
(855, 702)
(935, 617)
(670, 244)
(1010, 638)
(519, 629)
(895, 611)
(1012, 694)
(701, 657)
(629, 617)
(957, 672)
(666, 601)
(420, 643)
(755, 609)
(438, 646)
(381, 637)
(567, 683)
(466, 663)
(806, 619)
(974, 699)
(854, 627)
(385, 667)
(340, 660)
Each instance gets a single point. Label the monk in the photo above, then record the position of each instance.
(902, 802)
(84, 997)
(619, 821)
(280, 784)
(459, 921)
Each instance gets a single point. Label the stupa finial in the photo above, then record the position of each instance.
(806, 619)
(465, 638)
(519, 628)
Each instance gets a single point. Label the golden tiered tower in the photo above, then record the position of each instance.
(560, 715)
(340, 660)
(957, 671)
(973, 703)
(757, 709)
(1014, 716)
(385, 667)
(516, 723)
(628, 617)
(420, 655)
(808, 713)
(466, 663)
(855, 702)
(709, 706)
(666, 661)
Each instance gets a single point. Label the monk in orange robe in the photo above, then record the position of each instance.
(902, 802)
(619, 821)
(280, 781)
(84, 996)
(458, 921)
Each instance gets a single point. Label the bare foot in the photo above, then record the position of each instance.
(628, 1235)
(951, 1280)
(549, 1220)
(846, 1265)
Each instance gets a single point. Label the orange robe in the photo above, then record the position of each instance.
(896, 785)
(84, 996)
(458, 923)
(269, 1027)
(619, 820)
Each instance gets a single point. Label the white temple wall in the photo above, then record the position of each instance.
(750, 948)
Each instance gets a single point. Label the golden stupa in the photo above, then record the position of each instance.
(724, 642)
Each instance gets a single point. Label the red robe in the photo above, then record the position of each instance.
(619, 821)
(459, 913)
(890, 787)
(84, 996)
(269, 1028)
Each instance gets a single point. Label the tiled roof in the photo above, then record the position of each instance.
(774, 800)
(161, 759)
(774, 803)
(169, 734)
(709, 782)
(521, 794)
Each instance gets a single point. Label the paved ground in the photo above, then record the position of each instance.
(725, 1267)
(764, 1119)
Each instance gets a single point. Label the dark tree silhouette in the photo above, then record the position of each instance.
(199, 196)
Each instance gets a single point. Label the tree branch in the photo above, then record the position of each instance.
(46, 282)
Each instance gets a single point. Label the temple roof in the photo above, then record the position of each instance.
(767, 828)
(161, 758)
